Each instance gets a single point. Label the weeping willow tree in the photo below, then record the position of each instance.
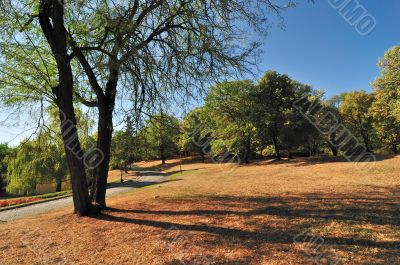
(38, 161)
(6, 153)
(42, 159)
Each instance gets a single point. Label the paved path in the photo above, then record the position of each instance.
(146, 178)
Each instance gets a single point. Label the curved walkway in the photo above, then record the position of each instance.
(146, 178)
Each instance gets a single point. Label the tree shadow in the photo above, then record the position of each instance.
(373, 209)
(139, 184)
(313, 160)
(251, 238)
(170, 164)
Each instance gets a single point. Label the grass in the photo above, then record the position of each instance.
(289, 212)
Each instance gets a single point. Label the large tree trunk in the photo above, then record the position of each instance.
(71, 141)
(74, 156)
(51, 19)
(105, 130)
(106, 104)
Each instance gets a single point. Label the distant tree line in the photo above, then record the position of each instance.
(258, 120)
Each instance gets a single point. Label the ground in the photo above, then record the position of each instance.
(292, 212)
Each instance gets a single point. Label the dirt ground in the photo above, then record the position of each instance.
(302, 211)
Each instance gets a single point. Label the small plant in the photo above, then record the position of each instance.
(18, 201)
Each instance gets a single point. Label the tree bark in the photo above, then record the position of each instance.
(333, 149)
(332, 143)
(105, 130)
(394, 149)
(203, 159)
(106, 104)
(277, 151)
(162, 154)
(365, 137)
(248, 148)
(59, 185)
(51, 19)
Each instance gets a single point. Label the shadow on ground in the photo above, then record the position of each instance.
(139, 184)
(343, 223)
(313, 160)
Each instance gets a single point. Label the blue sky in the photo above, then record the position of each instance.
(318, 47)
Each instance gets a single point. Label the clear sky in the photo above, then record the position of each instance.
(320, 48)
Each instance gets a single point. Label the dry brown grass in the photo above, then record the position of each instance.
(263, 213)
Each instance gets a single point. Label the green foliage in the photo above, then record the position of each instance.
(161, 136)
(278, 122)
(192, 127)
(6, 153)
(37, 161)
(125, 147)
(230, 105)
(42, 159)
(268, 151)
(355, 112)
(386, 107)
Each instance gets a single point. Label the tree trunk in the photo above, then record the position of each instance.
(59, 185)
(203, 159)
(94, 185)
(248, 148)
(72, 146)
(51, 19)
(332, 144)
(162, 154)
(126, 167)
(394, 149)
(106, 104)
(366, 143)
(277, 151)
(314, 148)
(365, 137)
(105, 130)
(333, 149)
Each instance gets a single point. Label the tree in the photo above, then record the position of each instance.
(355, 111)
(192, 128)
(160, 47)
(5, 153)
(37, 161)
(161, 136)
(230, 106)
(125, 147)
(153, 47)
(42, 159)
(275, 94)
(385, 108)
(332, 105)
